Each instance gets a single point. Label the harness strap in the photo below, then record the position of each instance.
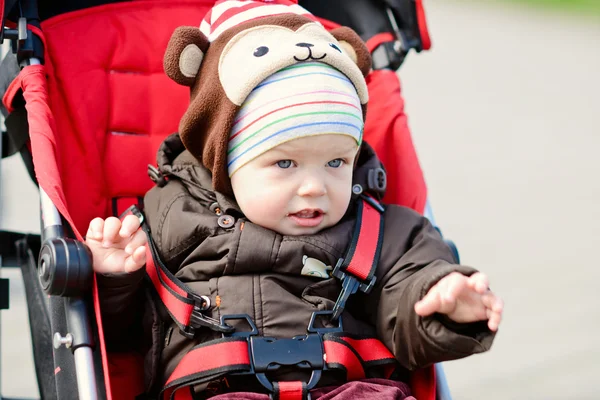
(362, 256)
(211, 360)
(185, 307)
(356, 270)
(207, 362)
(231, 355)
(293, 390)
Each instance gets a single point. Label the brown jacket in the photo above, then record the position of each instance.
(247, 269)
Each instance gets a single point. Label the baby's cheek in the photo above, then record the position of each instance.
(263, 209)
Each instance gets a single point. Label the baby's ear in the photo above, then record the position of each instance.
(354, 47)
(184, 54)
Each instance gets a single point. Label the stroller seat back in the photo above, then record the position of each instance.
(111, 100)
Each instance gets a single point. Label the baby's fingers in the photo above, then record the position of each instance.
(137, 240)
(112, 226)
(136, 260)
(494, 308)
(492, 302)
(479, 282)
(95, 229)
(453, 285)
(429, 304)
(129, 225)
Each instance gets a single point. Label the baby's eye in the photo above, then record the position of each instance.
(335, 47)
(261, 51)
(284, 164)
(335, 163)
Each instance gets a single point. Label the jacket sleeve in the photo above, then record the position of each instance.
(414, 257)
(121, 304)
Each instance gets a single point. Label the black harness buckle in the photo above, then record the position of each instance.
(199, 319)
(350, 285)
(268, 354)
(303, 352)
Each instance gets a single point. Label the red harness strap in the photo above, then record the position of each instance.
(293, 390)
(213, 359)
(363, 256)
(356, 270)
(185, 307)
(207, 362)
(216, 358)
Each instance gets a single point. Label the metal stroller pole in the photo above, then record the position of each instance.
(79, 330)
(78, 336)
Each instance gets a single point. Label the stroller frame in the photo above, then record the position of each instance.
(62, 256)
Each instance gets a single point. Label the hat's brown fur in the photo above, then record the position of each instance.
(205, 126)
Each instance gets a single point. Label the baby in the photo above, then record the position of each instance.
(259, 180)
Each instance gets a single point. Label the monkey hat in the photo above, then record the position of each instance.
(262, 73)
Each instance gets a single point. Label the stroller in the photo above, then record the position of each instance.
(91, 91)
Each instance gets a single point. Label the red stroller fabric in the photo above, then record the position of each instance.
(98, 117)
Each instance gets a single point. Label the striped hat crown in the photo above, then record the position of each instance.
(305, 99)
(228, 13)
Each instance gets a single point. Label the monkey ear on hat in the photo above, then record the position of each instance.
(184, 54)
(354, 47)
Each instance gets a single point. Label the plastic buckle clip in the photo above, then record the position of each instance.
(232, 333)
(269, 354)
(303, 352)
(198, 319)
(350, 285)
(321, 331)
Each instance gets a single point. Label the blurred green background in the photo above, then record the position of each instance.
(591, 7)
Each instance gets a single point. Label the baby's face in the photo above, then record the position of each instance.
(299, 187)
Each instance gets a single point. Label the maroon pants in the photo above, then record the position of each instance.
(366, 389)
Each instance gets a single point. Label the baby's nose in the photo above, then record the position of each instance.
(312, 187)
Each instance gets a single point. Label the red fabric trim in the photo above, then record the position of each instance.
(2, 13)
(422, 383)
(387, 131)
(115, 8)
(13, 88)
(338, 353)
(378, 39)
(422, 21)
(103, 353)
(123, 203)
(291, 390)
(43, 139)
(180, 310)
(366, 247)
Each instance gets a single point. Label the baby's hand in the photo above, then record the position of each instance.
(463, 299)
(117, 246)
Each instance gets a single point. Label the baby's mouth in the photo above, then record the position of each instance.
(309, 217)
